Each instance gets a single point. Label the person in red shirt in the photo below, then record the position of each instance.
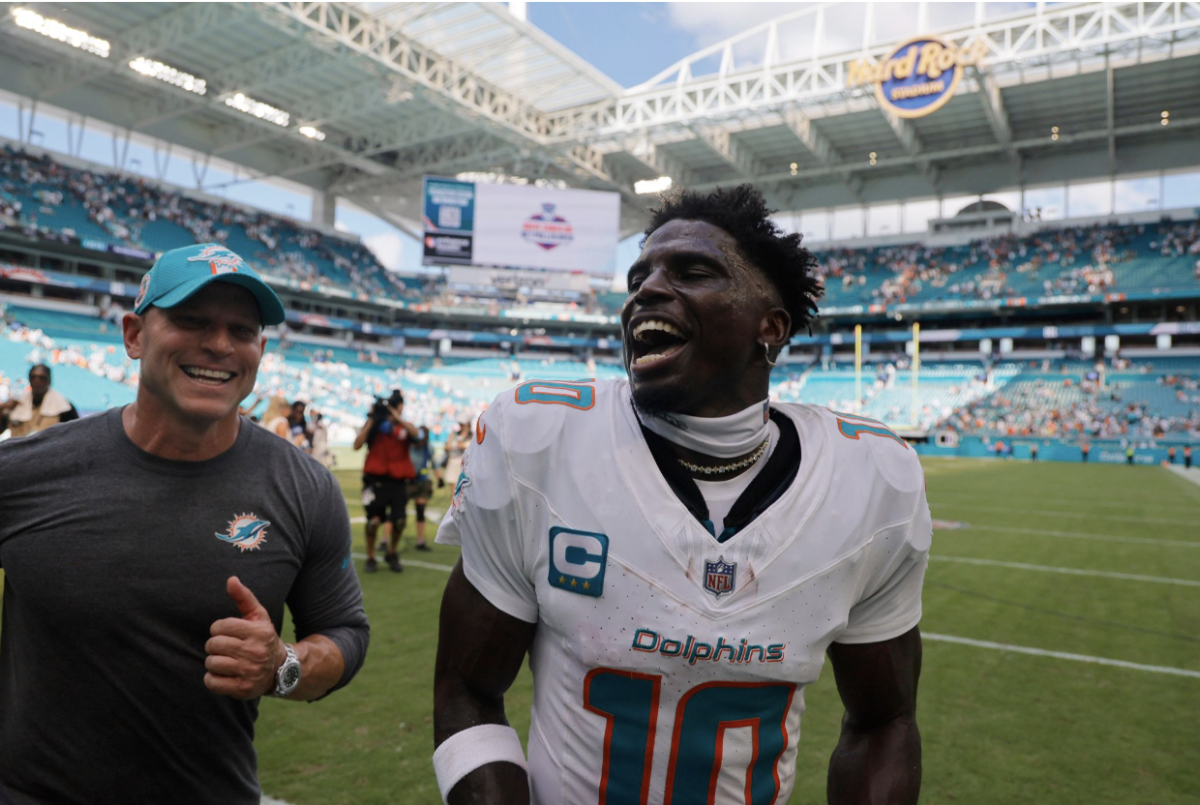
(386, 472)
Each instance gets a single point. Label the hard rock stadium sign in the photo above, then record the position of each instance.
(920, 76)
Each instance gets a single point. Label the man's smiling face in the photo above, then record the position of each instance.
(200, 358)
(693, 324)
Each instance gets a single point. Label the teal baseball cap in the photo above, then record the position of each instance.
(179, 273)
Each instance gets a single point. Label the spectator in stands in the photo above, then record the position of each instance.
(38, 408)
(301, 431)
(320, 440)
(386, 473)
(456, 445)
(133, 660)
(420, 488)
(275, 418)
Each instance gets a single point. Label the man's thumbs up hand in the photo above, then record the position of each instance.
(243, 652)
(247, 604)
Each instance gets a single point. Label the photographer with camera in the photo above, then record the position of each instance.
(386, 472)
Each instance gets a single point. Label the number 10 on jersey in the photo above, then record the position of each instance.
(628, 701)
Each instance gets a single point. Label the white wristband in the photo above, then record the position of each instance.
(468, 749)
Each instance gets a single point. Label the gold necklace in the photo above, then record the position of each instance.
(723, 468)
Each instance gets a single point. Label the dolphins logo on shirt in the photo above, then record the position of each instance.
(245, 531)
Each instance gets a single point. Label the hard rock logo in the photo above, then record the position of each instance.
(920, 76)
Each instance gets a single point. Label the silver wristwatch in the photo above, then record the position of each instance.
(288, 675)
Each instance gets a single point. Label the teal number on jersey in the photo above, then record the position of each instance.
(705, 712)
(551, 392)
(629, 703)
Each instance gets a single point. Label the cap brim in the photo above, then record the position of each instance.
(270, 308)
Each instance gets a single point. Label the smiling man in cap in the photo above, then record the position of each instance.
(148, 555)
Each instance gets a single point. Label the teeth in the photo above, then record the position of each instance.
(655, 324)
(207, 374)
(657, 356)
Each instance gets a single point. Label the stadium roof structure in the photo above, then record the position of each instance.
(377, 95)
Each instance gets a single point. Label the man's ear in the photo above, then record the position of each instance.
(775, 328)
(132, 327)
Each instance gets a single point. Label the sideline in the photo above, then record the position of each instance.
(1061, 655)
(1192, 475)
(1105, 574)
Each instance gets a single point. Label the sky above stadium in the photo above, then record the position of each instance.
(633, 42)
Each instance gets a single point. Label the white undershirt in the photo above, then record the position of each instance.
(721, 495)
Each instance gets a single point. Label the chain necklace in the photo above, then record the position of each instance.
(723, 468)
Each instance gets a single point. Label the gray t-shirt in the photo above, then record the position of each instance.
(115, 563)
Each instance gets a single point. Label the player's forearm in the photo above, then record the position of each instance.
(321, 667)
(493, 784)
(879, 766)
(457, 707)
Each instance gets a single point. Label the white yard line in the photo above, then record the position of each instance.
(414, 563)
(430, 514)
(1177, 543)
(944, 496)
(937, 505)
(1068, 570)
(1061, 655)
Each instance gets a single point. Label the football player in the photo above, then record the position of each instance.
(678, 557)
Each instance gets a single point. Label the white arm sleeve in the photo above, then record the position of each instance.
(891, 603)
(485, 519)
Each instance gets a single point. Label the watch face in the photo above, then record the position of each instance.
(291, 675)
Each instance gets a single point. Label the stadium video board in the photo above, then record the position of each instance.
(519, 226)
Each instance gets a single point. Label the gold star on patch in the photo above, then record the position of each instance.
(586, 585)
(562, 579)
(573, 581)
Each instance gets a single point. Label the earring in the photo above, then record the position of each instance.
(767, 352)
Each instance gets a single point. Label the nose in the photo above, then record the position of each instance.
(218, 341)
(656, 285)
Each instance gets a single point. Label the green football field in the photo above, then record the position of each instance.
(1080, 585)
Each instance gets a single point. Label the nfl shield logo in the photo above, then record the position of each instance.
(719, 576)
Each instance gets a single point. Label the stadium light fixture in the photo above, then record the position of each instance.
(1166, 117)
(1054, 132)
(263, 111)
(648, 186)
(164, 72)
(53, 29)
(312, 133)
(872, 156)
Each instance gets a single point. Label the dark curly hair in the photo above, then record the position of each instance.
(743, 213)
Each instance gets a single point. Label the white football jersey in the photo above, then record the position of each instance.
(669, 667)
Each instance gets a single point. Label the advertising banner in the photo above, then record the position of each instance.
(519, 226)
(448, 215)
(534, 227)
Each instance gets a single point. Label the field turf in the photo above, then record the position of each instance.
(999, 727)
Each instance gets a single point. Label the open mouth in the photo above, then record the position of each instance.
(654, 341)
(209, 377)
